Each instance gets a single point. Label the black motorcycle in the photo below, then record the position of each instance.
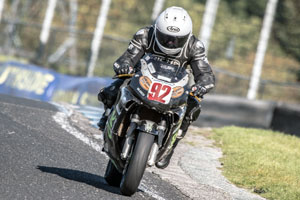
(144, 122)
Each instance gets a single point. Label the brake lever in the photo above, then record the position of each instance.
(196, 97)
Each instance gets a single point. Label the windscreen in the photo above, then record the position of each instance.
(164, 71)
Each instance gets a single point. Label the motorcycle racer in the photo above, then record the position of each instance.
(171, 40)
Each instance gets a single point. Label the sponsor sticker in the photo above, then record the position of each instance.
(173, 29)
(151, 68)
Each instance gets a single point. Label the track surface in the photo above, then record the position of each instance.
(41, 160)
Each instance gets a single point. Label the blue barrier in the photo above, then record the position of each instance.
(29, 81)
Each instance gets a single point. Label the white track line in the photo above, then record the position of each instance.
(62, 120)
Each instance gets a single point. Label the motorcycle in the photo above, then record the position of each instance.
(144, 122)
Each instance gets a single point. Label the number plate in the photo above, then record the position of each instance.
(160, 92)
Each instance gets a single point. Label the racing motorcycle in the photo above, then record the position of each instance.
(144, 122)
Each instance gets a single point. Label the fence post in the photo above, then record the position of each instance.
(44, 36)
(72, 29)
(96, 43)
(2, 2)
(158, 5)
(208, 21)
(261, 48)
(11, 30)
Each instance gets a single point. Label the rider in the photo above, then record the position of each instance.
(170, 39)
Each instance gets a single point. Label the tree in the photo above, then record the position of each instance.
(286, 27)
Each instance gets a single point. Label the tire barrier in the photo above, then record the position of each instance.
(220, 110)
(286, 118)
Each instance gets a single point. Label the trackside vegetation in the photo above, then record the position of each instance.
(266, 162)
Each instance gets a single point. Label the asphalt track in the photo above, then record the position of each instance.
(52, 151)
(40, 159)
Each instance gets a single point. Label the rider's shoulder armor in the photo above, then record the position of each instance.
(196, 49)
(142, 37)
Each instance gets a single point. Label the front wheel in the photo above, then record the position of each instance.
(137, 164)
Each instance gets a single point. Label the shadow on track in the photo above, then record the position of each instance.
(80, 176)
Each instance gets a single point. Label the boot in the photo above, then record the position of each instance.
(102, 122)
(166, 160)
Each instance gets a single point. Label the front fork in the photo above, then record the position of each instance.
(130, 140)
(129, 137)
(157, 144)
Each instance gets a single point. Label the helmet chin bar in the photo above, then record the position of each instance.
(167, 50)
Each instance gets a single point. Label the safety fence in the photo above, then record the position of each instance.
(29, 81)
(33, 82)
(68, 49)
(230, 83)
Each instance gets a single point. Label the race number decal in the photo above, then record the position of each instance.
(160, 92)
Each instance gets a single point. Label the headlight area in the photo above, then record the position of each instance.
(145, 82)
(177, 92)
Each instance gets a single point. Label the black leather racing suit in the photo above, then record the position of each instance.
(193, 54)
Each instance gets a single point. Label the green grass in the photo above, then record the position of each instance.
(263, 161)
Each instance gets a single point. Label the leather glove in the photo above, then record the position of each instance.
(198, 90)
(124, 68)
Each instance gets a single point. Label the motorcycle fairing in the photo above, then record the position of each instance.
(165, 78)
(133, 100)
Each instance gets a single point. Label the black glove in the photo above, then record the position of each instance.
(198, 90)
(124, 68)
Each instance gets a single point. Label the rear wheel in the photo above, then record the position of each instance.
(137, 164)
(112, 176)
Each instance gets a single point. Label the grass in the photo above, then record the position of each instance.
(263, 161)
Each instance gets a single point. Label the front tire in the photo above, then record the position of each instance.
(137, 165)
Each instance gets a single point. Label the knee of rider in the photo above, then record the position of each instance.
(101, 96)
(195, 112)
(110, 94)
(106, 96)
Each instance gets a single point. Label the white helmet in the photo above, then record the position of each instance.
(172, 29)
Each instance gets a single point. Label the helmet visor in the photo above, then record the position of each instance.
(171, 42)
